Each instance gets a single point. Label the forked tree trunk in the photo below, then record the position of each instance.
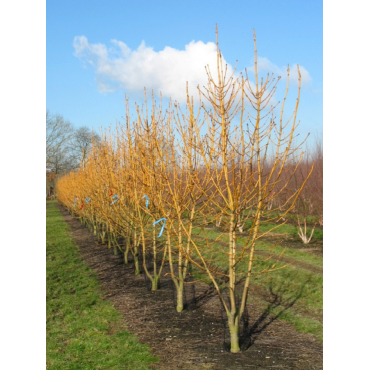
(143, 246)
(135, 253)
(218, 222)
(303, 232)
(102, 237)
(233, 321)
(125, 255)
(180, 297)
(232, 316)
(136, 260)
(155, 282)
(240, 224)
(177, 282)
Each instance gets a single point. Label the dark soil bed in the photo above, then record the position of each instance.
(196, 338)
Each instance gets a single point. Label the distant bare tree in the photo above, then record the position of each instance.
(58, 132)
(66, 147)
(81, 144)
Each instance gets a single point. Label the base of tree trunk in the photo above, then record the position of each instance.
(126, 257)
(155, 283)
(234, 341)
(180, 300)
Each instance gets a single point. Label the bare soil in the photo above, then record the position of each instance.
(197, 337)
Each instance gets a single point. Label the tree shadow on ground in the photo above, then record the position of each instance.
(193, 301)
(279, 298)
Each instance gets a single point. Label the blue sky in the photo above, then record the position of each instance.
(88, 74)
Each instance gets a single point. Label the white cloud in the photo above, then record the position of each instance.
(165, 71)
(264, 65)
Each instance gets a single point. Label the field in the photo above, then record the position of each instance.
(283, 328)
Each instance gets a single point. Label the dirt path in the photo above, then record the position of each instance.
(193, 339)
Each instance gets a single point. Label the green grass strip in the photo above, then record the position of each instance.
(298, 292)
(83, 330)
(300, 256)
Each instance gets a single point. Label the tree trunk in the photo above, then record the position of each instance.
(126, 253)
(155, 283)
(136, 261)
(234, 337)
(180, 298)
(136, 254)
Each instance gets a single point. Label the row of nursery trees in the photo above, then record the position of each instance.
(162, 178)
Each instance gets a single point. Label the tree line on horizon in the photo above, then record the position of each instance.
(67, 147)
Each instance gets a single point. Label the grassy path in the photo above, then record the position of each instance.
(83, 330)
